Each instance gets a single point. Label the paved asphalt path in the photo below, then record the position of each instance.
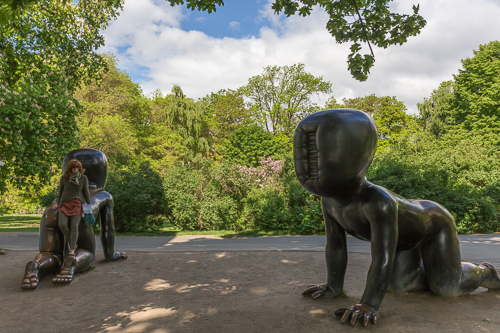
(475, 248)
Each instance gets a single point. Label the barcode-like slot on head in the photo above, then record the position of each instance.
(312, 156)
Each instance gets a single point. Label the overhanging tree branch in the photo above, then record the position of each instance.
(364, 28)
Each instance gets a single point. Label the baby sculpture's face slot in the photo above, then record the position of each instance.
(312, 156)
(333, 150)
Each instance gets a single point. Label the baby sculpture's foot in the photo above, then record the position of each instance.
(30, 280)
(67, 271)
(493, 281)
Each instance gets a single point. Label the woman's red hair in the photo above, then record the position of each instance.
(71, 164)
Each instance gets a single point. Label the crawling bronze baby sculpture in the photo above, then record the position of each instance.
(414, 243)
(51, 240)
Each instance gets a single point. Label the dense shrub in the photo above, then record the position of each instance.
(31, 199)
(284, 206)
(204, 198)
(247, 145)
(227, 196)
(464, 178)
(139, 200)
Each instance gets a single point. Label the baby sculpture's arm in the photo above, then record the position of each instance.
(336, 259)
(108, 227)
(382, 213)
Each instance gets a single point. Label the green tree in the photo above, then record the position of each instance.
(128, 126)
(435, 111)
(10, 10)
(115, 114)
(226, 112)
(186, 120)
(113, 135)
(248, 145)
(389, 114)
(44, 56)
(159, 143)
(332, 103)
(281, 96)
(475, 107)
(115, 94)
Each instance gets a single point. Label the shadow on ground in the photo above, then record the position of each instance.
(221, 292)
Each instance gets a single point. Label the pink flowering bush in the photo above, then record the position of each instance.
(265, 175)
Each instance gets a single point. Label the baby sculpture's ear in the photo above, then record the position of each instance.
(95, 164)
(333, 150)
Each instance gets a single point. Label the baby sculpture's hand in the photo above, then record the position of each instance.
(321, 290)
(354, 312)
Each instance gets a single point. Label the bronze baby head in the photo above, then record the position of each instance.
(333, 149)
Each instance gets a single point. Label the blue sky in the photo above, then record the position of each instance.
(236, 19)
(160, 45)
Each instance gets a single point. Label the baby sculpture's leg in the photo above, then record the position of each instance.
(446, 274)
(82, 259)
(44, 263)
(408, 273)
(51, 245)
(482, 275)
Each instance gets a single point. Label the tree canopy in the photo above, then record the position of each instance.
(248, 145)
(476, 102)
(281, 96)
(44, 56)
(226, 112)
(435, 110)
(469, 105)
(389, 114)
(114, 114)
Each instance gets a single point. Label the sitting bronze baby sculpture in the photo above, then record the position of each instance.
(414, 243)
(51, 239)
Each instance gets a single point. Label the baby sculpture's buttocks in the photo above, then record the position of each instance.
(414, 242)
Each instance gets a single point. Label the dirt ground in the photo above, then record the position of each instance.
(221, 292)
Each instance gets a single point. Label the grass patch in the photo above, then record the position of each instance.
(170, 230)
(217, 233)
(20, 223)
(17, 223)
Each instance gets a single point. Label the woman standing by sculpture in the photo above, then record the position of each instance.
(73, 192)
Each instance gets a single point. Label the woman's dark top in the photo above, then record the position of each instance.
(68, 191)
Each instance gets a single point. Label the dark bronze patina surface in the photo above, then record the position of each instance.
(414, 243)
(51, 259)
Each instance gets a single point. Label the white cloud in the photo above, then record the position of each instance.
(233, 25)
(149, 43)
